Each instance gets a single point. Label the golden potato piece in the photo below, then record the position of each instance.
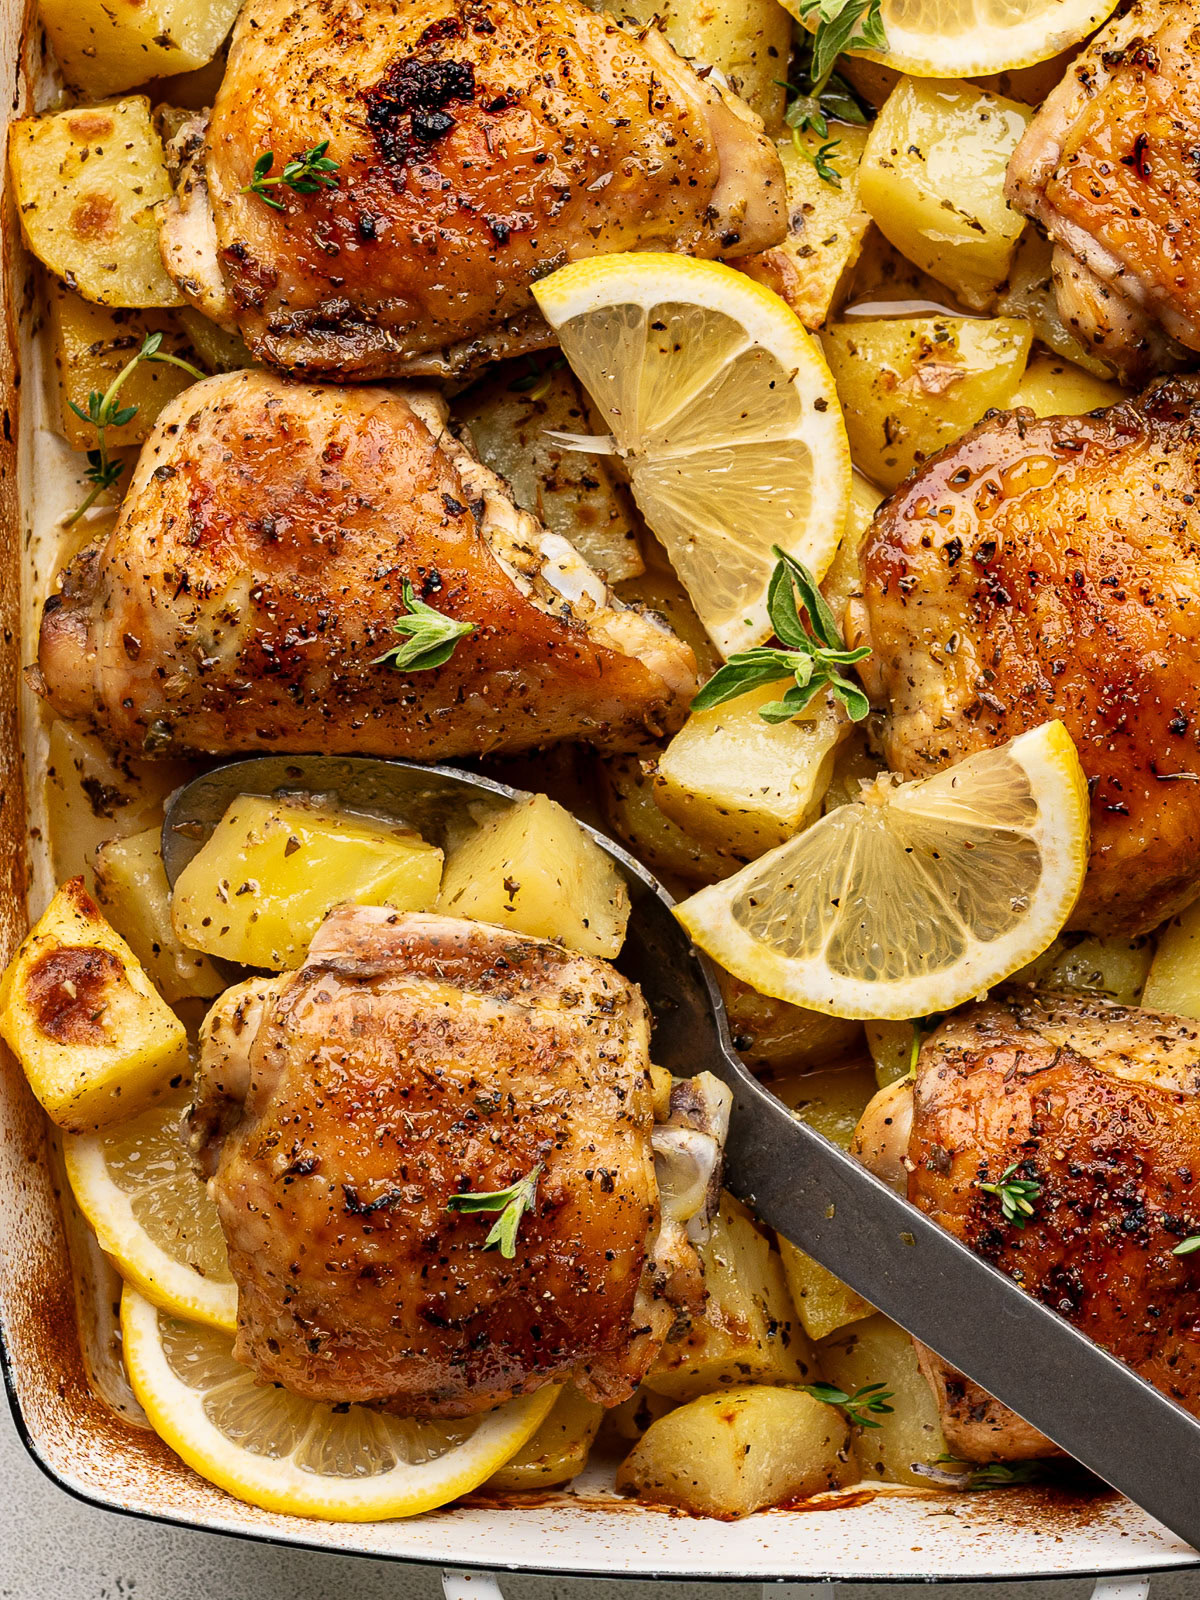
(909, 385)
(776, 1038)
(824, 1302)
(533, 869)
(80, 1015)
(826, 224)
(725, 1455)
(92, 344)
(741, 785)
(910, 1435)
(92, 795)
(132, 889)
(574, 495)
(843, 582)
(1173, 981)
(932, 176)
(558, 1450)
(1054, 387)
(259, 888)
(1114, 967)
(634, 816)
(104, 46)
(749, 1330)
(86, 183)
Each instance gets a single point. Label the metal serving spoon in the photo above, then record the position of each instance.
(1092, 1405)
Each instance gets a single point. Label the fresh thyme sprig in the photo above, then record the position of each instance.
(103, 413)
(818, 95)
(429, 636)
(1016, 1196)
(1187, 1246)
(812, 655)
(994, 1474)
(303, 174)
(512, 1204)
(857, 1406)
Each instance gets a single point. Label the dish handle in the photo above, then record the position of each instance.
(458, 1585)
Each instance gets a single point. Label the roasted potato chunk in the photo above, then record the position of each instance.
(258, 889)
(104, 46)
(558, 1450)
(218, 350)
(777, 1039)
(932, 176)
(533, 869)
(1054, 387)
(92, 795)
(1114, 967)
(910, 1435)
(826, 225)
(843, 582)
(1029, 294)
(132, 889)
(909, 385)
(725, 1455)
(634, 816)
(86, 183)
(91, 345)
(93, 1038)
(748, 40)
(574, 495)
(741, 785)
(1173, 981)
(749, 1331)
(823, 1301)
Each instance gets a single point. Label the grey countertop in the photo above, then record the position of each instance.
(54, 1548)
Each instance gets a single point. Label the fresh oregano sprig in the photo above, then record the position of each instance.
(813, 655)
(813, 102)
(857, 1406)
(1016, 1195)
(103, 413)
(429, 636)
(303, 174)
(841, 24)
(512, 1204)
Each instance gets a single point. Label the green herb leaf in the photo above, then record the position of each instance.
(1188, 1246)
(997, 1474)
(1016, 1195)
(303, 174)
(858, 1406)
(429, 636)
(512, 1204)
(813, 654)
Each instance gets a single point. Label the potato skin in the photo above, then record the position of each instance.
(726, 1455)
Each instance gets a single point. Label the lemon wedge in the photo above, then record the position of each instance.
(151, 1213)
(915, 897)
(725, 416)
(281, 1453)
(970, 38)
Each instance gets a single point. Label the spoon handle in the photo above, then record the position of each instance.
(1090, 1404)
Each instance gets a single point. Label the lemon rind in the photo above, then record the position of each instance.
(1048, 757)
(177, 1415)
(168, 1284)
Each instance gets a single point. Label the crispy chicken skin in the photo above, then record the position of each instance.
(413, 1058)
(1108, 167)
(1100, 1105)
(480, 144)
(253, 577)
(1041, 569)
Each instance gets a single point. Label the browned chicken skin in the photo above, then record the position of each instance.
(254, 575)
(413, 1058)
(480, 144)
(1108, 167)
(1100, 1105)
(1042, 569)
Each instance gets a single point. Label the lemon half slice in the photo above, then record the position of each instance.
(726, 417)
(916, 897)
(135, 1185)
(970, 38)
(282, 1453)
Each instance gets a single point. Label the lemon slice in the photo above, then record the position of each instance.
(282, 1453)
(917, 896)
(970, 38)
(135, 1184)
(724, 413)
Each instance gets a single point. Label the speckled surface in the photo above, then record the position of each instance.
(54, 1548)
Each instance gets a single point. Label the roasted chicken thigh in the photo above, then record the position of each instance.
(251, 584)
(1043, 569)
(479, 144)
(412, 1059)
(1108, 166)
(1099, 1105)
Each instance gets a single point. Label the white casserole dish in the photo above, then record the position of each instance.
(96, 1454)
